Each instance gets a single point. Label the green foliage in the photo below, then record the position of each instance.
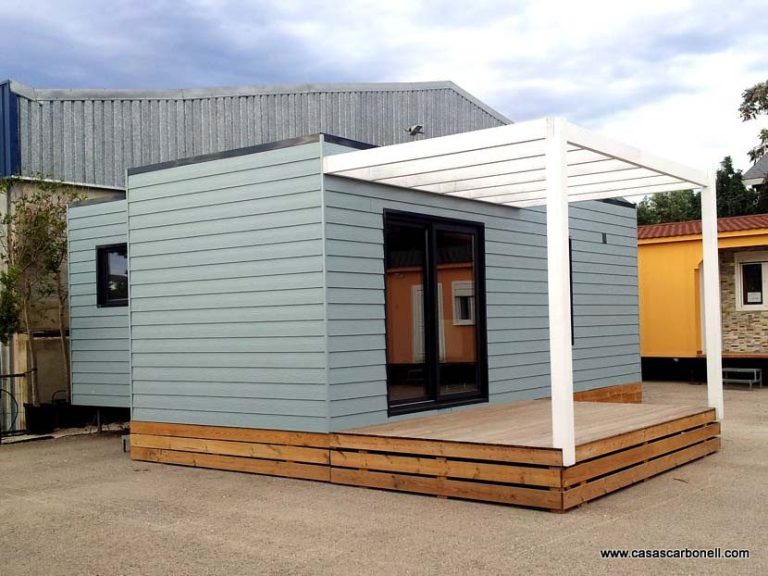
(36, 235)
(10, 311)
(33, 252)
(733, 198)
(669, 207)
(761, 149)
(754, 103)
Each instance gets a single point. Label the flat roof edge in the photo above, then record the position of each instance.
(93, 201)
(266, 147)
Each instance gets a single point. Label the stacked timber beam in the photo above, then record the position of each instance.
(487, 472)
(517, 475)
(623, 393)
(271, 452)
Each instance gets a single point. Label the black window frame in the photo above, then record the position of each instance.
(745, 305)
(102, 275)
(431, 337)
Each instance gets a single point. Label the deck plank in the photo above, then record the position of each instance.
(528, 423)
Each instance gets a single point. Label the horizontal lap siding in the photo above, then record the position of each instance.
(515, 283)
(227, 321)
(606, 351)
(98, 336)
(606, 328)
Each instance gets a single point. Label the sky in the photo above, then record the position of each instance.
(665, 75)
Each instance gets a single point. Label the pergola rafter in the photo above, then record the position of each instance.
(550, 163)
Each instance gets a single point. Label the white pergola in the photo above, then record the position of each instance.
(550, 163)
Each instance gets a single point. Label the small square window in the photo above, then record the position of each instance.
(751, 280)
(752, 283)
(112, 275)
(463, 303)
(464, 308)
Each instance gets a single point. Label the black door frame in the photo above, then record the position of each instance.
(434, 225)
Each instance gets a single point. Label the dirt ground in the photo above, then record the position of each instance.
(80, 506)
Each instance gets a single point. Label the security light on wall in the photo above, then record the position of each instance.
(415, 130)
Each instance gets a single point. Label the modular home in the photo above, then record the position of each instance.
(319, 308)
(672, 334)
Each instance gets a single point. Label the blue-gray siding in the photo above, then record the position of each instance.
(92, 136)
(98, 336)
(605, 299)
(257, 294)
(605, 295)
(226, 289)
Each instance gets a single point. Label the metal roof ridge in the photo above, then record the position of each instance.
(220, 91)
(193, 93)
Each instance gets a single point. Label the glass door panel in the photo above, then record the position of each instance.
(406, 257)
(457, 311)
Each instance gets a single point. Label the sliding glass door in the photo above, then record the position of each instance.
(435, 312)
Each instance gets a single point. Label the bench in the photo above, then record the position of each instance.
(750, 376)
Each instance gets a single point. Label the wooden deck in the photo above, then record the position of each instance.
(501, 453)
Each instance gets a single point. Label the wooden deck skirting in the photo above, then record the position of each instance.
(531, 476)
(621, 393)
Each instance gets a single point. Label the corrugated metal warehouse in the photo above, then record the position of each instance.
(93, 136)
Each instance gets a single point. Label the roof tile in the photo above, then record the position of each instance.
(730, 224)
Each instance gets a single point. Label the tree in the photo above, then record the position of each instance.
(733, 198)
(669, 207)
(34, 253)
(754, 103)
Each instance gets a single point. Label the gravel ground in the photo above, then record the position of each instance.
(80, 506)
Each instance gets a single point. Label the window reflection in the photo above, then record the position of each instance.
(405, 261)
(432, 311)
(456, 268)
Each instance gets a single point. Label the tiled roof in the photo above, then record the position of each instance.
(730, 224)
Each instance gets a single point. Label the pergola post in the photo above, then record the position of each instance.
(558, 283)
(711, 277)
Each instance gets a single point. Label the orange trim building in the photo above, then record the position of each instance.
(669, 271)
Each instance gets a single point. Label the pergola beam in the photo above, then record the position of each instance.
(559, 294)
(549, 163)
(385, 172)
(712, 321)
(536, 197)
(530, 165)
(454, 144)
(595, 195)
(591, 141)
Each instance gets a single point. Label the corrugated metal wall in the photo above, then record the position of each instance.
(93, 140)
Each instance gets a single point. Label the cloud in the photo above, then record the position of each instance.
(665, 74)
